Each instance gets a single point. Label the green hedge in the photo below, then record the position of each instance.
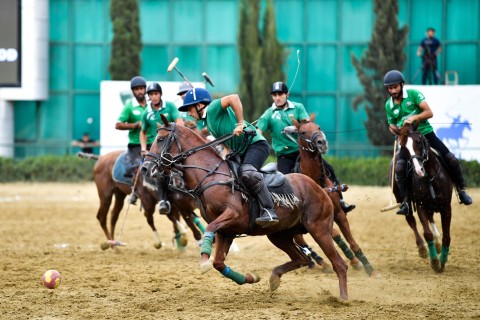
(352, 171)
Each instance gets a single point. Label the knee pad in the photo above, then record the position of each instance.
(251, 178)
(400, 169)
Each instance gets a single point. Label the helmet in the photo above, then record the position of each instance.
(154, 86)
(137, 82)
(393, 77)
(279, 87)
(194, 96)
(183, 88)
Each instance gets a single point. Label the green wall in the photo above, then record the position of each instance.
(203, 34)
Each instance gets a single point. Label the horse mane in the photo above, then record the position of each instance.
(405, 131)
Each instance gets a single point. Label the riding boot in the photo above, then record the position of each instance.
(253, 180)
(457, 177)
(400, 178)
(346, 207)
(164, 206)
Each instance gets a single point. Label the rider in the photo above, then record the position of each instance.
(150, 117)
(404, 107)
(129, 119)
(223, 116)
(275, 119)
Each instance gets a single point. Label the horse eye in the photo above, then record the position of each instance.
(160, 139)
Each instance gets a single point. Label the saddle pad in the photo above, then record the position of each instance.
(119, 168)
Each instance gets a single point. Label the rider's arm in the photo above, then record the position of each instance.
(127, 126)
(426, 113)
(180, 121)
(235, 103)
(394, 129)
(143, 140)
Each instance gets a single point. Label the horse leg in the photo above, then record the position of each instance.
(284, 241)
(324, 240)
(354, 262)
(102, 213)
(149, 208)
(188, 216)
(436, 233)
(117, 208)
(221, 251)
(180, 238)
(428, 236)
(312, 255)
(422, 250)
(446, 220)
(342, 222)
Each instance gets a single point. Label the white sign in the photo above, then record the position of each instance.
(456, 117)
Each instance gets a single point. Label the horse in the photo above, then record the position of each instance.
(313, 144)
(107, 187)
(224, 204)
(454, 132)
(430, 190)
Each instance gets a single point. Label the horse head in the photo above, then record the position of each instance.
(415, 145)
(310, 136)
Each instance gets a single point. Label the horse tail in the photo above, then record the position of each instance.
(85, 155)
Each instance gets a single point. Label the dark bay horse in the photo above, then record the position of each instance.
(430, 190)
(107, 188)
(312, 145)
(225, 206)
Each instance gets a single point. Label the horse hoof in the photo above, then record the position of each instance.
(376, 275)
(356, 264)
(205, 266)
(252, 278)
(183, 240)
(157, 245)
(423, 252)
(104, 246)
(274, 282)
(435, 265)
(326, 268)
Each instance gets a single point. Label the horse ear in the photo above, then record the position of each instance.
(164, 120)
(295, 122)
(415, 125)
(312, 117)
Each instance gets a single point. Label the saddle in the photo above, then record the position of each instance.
(119, 168)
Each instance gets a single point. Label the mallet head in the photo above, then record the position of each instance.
(172, 64)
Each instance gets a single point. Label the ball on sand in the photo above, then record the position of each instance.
(51, 279)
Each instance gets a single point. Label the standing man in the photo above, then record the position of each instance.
(223, 116)
(149, 120)
(404, 107)
(275, 119)
(428, 50)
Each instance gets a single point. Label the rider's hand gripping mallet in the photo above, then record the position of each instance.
(392, 205)
(173, 66)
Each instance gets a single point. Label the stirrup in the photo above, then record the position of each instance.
(404, 209)
(464, 197)
(164, 207)
(267, 218)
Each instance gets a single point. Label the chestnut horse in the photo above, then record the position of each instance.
(430, 190)
(107, 187)
(225, 205)
(313, 144)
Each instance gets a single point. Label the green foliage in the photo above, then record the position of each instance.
(261, 57)
(46, 168)
(385, 52)
(126, 44)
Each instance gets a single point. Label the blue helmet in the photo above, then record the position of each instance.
(194, 96)
(137, 82)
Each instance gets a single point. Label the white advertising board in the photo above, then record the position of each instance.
(113, 95)
(456, 117)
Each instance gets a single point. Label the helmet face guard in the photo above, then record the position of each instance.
(195, 96)
(393, 77)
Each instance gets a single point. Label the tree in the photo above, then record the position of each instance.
(385, 52)
(261, 57)
(125, 60)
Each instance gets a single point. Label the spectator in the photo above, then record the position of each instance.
(428, 50)
(85, 143)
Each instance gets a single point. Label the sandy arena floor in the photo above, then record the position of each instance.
(53, 226)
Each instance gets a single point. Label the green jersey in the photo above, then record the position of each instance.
(398, 113)
(132, 113)
(276, 119)
(220, 121)
(150, 117)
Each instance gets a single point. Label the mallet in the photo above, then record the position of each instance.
(208, 79)
(392, 205)
(173, 65)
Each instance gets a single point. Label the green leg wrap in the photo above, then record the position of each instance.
(432, 250)
(366, 264)
(207, 243)
(444, 255)
(233, 275)
(199, 224)
(178, 235)
(343, 245)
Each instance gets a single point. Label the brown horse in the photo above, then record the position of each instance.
(430, 190)
(312, 145)
(107, 187)
(225, 206)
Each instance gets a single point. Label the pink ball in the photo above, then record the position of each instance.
(51, 279)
